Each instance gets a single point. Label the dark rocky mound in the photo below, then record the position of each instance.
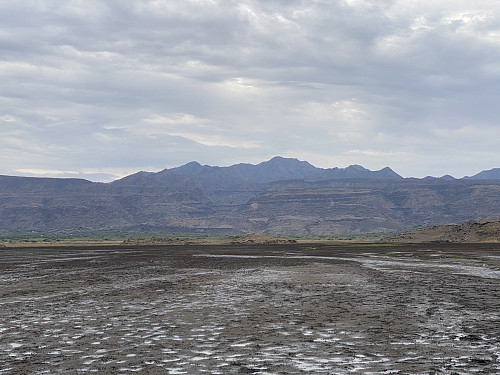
(247, 239)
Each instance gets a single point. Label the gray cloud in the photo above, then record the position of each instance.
(104, 88)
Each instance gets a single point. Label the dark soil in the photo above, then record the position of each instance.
(263, 309)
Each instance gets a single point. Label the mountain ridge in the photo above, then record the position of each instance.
(292, 169)
(280, 196)
(275, 169)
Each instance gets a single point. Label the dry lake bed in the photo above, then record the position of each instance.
(260, 309)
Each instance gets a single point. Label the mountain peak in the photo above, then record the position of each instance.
(388, 173)
(357, 167)
(447, 177)
(280, 160)
(189, 168)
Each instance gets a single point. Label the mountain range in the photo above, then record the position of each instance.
(279, 196)
(276, 169)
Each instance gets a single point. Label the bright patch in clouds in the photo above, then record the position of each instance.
(7, 118)
(176, 119)
(214, 140)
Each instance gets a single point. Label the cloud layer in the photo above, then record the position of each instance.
(100, 89)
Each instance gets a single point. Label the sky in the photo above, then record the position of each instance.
(102, 89)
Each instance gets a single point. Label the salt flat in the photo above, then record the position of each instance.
(261, 309)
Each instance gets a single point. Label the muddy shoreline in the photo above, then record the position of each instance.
(255, 309)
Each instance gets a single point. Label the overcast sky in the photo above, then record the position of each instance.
(101, 89)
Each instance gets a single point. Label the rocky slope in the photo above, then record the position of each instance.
(475, 231)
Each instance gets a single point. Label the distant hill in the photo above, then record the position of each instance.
(475, 231)
(491, 174)
(31, 184)
(278, 196)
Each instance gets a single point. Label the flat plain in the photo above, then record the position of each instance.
(254, 309)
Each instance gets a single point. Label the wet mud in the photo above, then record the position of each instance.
(263, 309)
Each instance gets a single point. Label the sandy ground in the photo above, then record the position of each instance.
(275, 309)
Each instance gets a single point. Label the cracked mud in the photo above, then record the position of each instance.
(263, 309)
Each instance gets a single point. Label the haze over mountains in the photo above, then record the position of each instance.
(279, 196)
